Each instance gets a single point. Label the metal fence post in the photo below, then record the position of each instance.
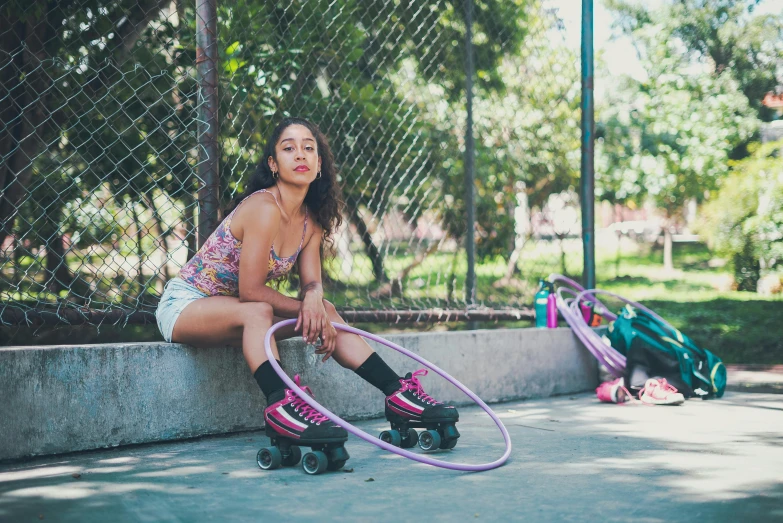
(587, 182)
(208, 154)
(470, 153)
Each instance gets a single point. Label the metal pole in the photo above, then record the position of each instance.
(587, 182)
(208, 154)
(470, 153)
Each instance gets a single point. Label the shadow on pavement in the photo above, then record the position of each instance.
(573, 460)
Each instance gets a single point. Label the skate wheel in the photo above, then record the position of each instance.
(315, 462)
(338, 454)
(429, 440)
(269, 458)
(391, 436)
(335, 465)
(449, 432)
(411, 439)
(293, 457)
(449, 443)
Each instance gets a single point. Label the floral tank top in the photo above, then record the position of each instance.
(214, 269)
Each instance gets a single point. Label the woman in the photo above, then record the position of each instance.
(221, 296)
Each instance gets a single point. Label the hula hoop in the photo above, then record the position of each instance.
(375, 441)
(569, 307)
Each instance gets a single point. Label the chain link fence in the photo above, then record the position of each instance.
(101, 118)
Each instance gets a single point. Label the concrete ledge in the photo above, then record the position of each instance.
(60, 399)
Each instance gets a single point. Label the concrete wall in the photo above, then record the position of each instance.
(59, 399)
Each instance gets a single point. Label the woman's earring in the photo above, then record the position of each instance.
(318, 175)
(274, 175)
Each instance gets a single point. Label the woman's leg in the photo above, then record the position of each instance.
(351, 351)
(224, 320)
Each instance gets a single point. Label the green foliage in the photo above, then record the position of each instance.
(384, 79)
(738, 330)
(725, 34)
(526, 136)
(669, 137)
(386, 82)
(745, 219)
(739, 327)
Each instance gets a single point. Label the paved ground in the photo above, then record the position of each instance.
(573, 460)
(756, 378)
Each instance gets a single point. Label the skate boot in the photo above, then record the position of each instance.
(410, 407)
(291, 422)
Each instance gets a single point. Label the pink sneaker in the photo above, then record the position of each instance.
(660, 392)
(613, 391)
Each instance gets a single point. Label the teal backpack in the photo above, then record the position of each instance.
(662, 350)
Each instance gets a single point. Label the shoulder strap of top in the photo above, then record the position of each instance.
(248, 196)
(227, 221)
(273, 196)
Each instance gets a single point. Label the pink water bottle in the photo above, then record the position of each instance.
(551, 308)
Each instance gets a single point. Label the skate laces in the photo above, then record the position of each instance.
(414, 385)
(308, 412)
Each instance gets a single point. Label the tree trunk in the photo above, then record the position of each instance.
(190, 230)
(668, 262)
(17, 257)
(58, 276)
(522, 230)
(511, 266)
(23, 115)
(26, 120)
(139, 250)
(394, 286)
(452, 281)
(563, 268)
(369, 247)
(162, 236)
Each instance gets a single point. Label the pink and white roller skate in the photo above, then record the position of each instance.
(291, 422)
(410, 407)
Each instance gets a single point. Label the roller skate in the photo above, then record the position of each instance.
(410, 407)
(291, 422)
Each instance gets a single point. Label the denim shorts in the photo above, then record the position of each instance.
(177, 294)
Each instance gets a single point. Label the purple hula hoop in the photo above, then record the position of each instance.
(569, 308)
(375, 441)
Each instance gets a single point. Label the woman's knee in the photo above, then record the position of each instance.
(331, 311)
(255, 313)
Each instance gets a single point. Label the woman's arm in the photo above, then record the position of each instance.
(310, 263)
(256, 224)
(313, 317)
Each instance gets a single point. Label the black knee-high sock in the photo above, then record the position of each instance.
(268, 380)
(378, 374)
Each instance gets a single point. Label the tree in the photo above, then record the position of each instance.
(726, 34)
(670, 137)
(37, 34)
(524, 138)
(62, 131)
(351, 68)
(744, 221)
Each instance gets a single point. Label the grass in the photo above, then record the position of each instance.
(740, 327)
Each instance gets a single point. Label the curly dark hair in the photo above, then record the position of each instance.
(324, 198)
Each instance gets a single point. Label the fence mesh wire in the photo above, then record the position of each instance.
(99, 113)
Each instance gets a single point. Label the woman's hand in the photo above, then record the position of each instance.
(314, 323)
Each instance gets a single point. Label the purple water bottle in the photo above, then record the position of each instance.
(551, 308)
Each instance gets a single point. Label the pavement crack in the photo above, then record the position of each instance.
(531, 427)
